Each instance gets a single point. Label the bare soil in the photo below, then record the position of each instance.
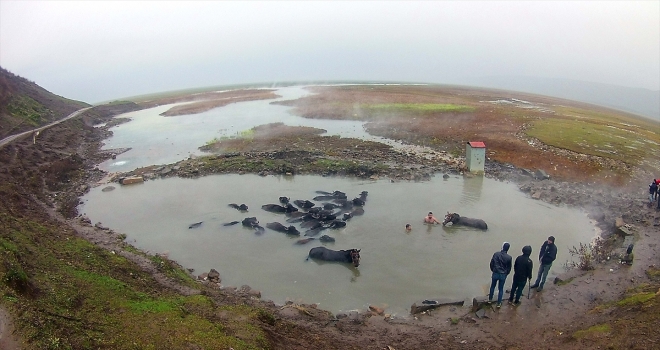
(547, 320)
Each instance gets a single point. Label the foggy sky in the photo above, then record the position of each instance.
(98, 51)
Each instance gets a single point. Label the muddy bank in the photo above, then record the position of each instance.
(546, 318)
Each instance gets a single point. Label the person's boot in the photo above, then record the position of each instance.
(534, 285)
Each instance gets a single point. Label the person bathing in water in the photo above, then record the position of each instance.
(430, 219)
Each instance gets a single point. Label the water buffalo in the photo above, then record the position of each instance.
(456, 219)
(284, 200)
(311, 224)
(358, 202)
(252, 223)
(345, 256)
(241, 207)
(333, 195)
(326, 238)
(276, 208)
(330, 206)
(290, 230)
(196, 225)
(304, 241)
(314, 231)
(336, 224)
(295, 214)
(305, 204)
(344, 203)
(357, 211)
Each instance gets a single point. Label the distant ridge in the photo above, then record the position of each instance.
(643, 102)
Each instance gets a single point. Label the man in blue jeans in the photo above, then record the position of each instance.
(500, 265)
(547, 255)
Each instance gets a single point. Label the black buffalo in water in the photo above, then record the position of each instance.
(196, 225)
(252, 223)
(328, 196)
(276, 208)
(289, 230)
(345, 256)
(344, 203)
(284, 200)
(357, 211)
(456, 219)
(304, 241)
(311, 224)
(241, 207)
(361, 200)
(305, 204)
(326, 238)
(330, 206)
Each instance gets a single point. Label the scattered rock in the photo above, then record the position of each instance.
(376, 310)
(214, 276)
(541, 175)
(131, 180)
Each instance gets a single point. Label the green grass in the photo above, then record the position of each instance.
(565, 282)
(28, 110)
(594, 330)
(635, 299)
(609, 140)
(75, 295)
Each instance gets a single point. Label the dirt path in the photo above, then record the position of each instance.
(8, 340)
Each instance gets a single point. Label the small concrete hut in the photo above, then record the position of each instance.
(475, 156)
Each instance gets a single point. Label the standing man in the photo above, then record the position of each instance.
(653, 192)
(522, 271)
(500, 265)
(547, 255)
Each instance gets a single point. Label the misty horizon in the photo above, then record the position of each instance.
(101, 51)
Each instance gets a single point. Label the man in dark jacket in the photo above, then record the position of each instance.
(522, 271)
(547, 255)
(500, 265)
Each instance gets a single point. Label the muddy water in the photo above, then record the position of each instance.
(397, 269)
(155, 139)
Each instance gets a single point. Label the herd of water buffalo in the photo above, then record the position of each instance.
(333, 213)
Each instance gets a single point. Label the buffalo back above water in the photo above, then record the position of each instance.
(345, 256)
(456, 219)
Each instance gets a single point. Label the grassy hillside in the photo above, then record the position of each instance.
(25, 105)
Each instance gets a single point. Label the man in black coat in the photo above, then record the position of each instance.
(500, 265)
(547, 255)
(522, 271)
